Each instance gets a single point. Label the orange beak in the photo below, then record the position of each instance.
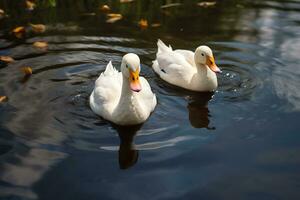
(134, 80)
(210, 62)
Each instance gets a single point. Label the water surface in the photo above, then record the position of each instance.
(240, 142)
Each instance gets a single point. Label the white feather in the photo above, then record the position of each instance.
(179, 68)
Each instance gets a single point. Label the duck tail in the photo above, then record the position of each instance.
(110, 70)
(162, 47)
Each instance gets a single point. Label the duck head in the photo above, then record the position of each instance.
(130, 69)
(204, 56)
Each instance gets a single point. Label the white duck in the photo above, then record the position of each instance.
(123, 97)
(183, 68)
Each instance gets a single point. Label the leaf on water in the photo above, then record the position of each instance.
(143, 23)
(113, 17)
(38, 28)
(88, 14)
(3, 98)
(154, 25)
(2, 13)
(170, 5)
(206, 4)
(40, 44)
(6, 59)
(30, 5)
(27, 71)
(126, 1)
(19, 31)
(104, 8)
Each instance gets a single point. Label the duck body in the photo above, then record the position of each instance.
(114, 99)
(180, 68)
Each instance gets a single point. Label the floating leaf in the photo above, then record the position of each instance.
(30, 5)
(126, 1)
(156, 25)
(113, 17)
(19, 31)
(6, 59)
(170, 5)
(38, 28)
(26, 70)
(3, 98)
(2, 13)
(104, 8)
(40, 44)
(143, 23)
(206, 4)
(88, 14)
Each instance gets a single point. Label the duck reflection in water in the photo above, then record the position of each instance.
(198, 109)
(128, 155)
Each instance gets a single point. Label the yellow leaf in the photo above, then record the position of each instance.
(113, 17)
(27, 71)
(3, 98)
(143, 23)
(38, 28)
(206, 4)
(126, 1)
(6, 59)
(104, 8)
(30, 5)
(40, 44)
(19, 31)
(156, 25)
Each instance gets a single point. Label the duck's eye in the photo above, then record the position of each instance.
(202, 54)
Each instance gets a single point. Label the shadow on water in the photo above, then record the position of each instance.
(198, 110)
(128, 154)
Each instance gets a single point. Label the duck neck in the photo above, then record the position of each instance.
(127, 95)
(201, 68)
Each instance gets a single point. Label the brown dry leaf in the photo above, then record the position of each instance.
(126, 1)
(30, 5)
(113, 17)
(104, 8)
(40, 44)
(154, 25)
(143, 23)
(206, 4)
(26, 70)
(38, 28)
(6, 59)
(19, 31)
(3, 98)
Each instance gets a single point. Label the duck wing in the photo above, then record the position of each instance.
(171, 66)
(107, 91)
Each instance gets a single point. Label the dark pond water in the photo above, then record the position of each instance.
(242, 142)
